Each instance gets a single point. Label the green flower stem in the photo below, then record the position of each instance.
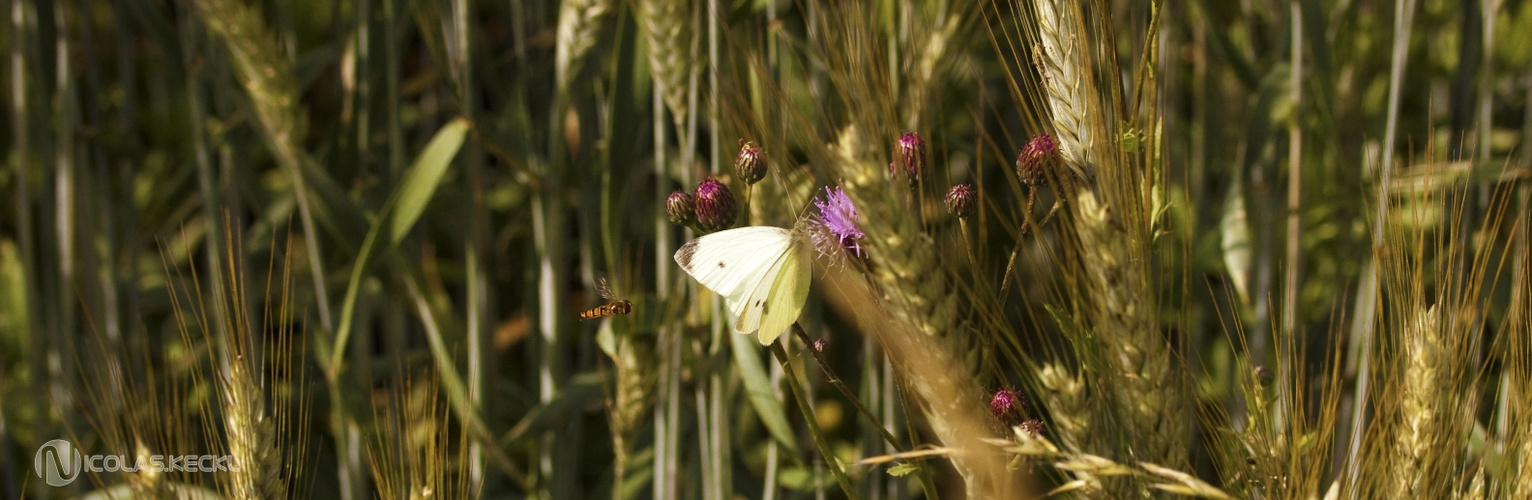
(824, 366)
(808, 419)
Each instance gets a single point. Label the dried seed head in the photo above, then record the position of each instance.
(909, 159)
(750, 163)
(716, 208)
(961, 200)
(1040, 156)
(680, 208)
(1008, 406)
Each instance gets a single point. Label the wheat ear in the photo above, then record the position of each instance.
(666, 27)
(631, 399)
(1418, 409)
(251, 433)
(1142, 382)
(1072, 416)
(579, 23)
(1069, 92)
(934, 355)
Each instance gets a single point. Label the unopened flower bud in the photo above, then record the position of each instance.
(1264, 375)
(750, 163)
(679, 207)
(909, 159)
(961, 200)
(1033, 428)
(1040, 156)
(716, 208)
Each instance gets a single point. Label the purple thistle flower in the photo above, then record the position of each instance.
(1008, 406)
(716, 209)
(835, 232)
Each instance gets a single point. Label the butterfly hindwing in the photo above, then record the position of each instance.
(756, 301)
(788, 291)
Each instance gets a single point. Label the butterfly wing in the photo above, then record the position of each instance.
(789, 289)
(753, 301)
(761, 272)
(733, 263)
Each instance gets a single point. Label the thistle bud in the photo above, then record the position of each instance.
(679, 207)
(1040, 156)
(960, 200)
(716, 208)
(1008, 406)
(1264, 375)
(750, 163)
(1033, 428)
(909, 159)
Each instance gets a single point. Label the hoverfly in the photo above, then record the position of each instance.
(615, 308)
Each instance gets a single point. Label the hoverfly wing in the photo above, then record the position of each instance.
(605, 290)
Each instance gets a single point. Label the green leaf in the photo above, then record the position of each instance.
(422, 178)
(1234, 230)
(758, 386)
(582, 391)
(403, 208)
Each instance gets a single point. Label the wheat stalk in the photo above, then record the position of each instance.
(1521, 477)
(1088, 468)
(413, 454)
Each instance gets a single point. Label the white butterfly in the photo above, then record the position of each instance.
(761, 271)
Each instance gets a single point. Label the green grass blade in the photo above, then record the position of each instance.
(400, 214)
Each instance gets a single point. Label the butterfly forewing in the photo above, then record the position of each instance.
(725, 261)
(762, 272)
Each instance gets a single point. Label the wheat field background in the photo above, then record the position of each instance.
(1095, 249)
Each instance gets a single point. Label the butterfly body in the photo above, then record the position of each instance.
(762, 272)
